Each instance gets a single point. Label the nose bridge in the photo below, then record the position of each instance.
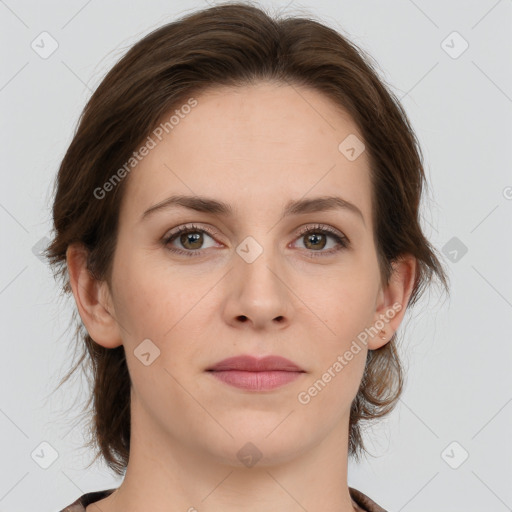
(257, 262)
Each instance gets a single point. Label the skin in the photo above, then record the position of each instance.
(256, 148)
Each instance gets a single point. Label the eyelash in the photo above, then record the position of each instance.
(342, 240)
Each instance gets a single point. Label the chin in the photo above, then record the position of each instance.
(261, 445)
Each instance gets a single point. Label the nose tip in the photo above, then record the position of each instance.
(260, 293)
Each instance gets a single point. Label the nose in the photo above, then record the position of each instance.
(258, 295)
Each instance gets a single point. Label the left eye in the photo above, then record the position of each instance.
(316, 239)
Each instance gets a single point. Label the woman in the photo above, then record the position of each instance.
(237, 218)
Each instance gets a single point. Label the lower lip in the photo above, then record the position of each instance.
(256, 381)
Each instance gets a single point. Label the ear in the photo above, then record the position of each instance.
(93, 299)
(393, 299)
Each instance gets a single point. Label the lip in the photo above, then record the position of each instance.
(249, 363)
(256, 374)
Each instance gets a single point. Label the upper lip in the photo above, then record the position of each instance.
(256, 364)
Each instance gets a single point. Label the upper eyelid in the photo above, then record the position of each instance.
(330, 229)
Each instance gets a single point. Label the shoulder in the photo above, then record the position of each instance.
(364, 503)
(86, 499)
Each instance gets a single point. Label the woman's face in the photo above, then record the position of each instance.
(248, 280)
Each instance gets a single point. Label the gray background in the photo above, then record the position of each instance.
(457, 352)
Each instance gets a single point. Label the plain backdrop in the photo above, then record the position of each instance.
(446, 446)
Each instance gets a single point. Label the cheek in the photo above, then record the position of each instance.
(344, 303)
(326, 397)
(150, 300)
(170, 312)
(348, 309)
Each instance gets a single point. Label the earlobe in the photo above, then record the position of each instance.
(93, 299)
(393, 300)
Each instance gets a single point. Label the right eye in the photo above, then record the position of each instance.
(191, 238)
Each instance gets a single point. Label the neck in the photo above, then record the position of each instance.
(165, 471)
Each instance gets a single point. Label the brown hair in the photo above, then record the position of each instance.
(233, 44)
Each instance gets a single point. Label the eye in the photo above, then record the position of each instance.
(190, 237)
(315, 238)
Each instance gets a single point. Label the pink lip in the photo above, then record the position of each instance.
(255, 364)
(251, 373)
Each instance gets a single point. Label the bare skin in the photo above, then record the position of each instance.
(255, 148)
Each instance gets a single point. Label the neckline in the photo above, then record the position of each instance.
(359, 499)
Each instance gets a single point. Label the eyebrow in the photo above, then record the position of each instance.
(214, 206)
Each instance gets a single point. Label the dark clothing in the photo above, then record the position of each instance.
(361, 501)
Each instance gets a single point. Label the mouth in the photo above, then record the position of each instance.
(256, 374)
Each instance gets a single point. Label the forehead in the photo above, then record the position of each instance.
(253, 146)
